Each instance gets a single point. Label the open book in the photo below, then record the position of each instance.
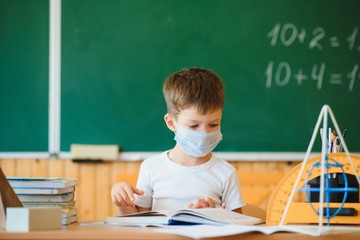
(202, 231)
(212, 216)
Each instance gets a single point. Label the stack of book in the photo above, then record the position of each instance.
(47, 192)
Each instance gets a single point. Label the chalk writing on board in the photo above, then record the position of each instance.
(282, 73)
(288, 34)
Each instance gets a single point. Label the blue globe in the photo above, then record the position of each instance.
(333, 190)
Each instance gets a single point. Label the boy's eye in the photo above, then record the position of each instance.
(193, 126)
(214, 125)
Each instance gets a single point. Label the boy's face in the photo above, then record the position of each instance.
(191, 118)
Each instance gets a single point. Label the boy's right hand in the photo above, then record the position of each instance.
(122, 194)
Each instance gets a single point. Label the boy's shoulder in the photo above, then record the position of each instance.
(223, 163)
(154, 159)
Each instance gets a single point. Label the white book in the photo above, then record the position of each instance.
(44, 191)
(69, 220)
(29, 219)
(47, 198)
(33, 182)
(212, 216)
(64, 206)
(66, 213)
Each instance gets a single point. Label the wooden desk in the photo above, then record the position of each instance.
(75, 231)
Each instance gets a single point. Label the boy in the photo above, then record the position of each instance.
(189, 175)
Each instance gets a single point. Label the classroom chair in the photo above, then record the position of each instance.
(257, 187)
(254, 211)
(130, 178)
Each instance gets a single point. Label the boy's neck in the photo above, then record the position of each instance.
(178, 156)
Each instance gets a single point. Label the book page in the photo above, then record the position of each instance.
(220, 215)
(217, 216)
(206, 231)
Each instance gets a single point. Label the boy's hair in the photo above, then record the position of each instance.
(193, 87)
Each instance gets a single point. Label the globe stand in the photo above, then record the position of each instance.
(325, 190)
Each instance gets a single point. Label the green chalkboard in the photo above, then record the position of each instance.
(281, 61)
(24, 36)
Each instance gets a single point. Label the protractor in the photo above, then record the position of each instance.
(298, 206)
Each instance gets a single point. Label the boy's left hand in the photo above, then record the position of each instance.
(205, 203)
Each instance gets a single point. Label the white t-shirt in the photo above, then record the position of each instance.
(169, 186)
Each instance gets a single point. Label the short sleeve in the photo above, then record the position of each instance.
(144, 183)
(232, 193)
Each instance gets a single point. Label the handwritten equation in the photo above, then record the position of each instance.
(288, 34)
(280, 74)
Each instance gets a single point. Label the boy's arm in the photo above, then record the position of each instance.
(129, 209)
(123, 196)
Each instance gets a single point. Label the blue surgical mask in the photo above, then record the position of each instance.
(197, 144)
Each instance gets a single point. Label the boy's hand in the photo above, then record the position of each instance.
(205, 203)
(122, 194)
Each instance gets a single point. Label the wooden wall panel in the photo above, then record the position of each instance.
(86, 188)
(258, 180)
(102, 195)
(56, 168)
(8, 166)
(23, 168)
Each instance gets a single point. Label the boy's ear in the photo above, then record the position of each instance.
(169, 120)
